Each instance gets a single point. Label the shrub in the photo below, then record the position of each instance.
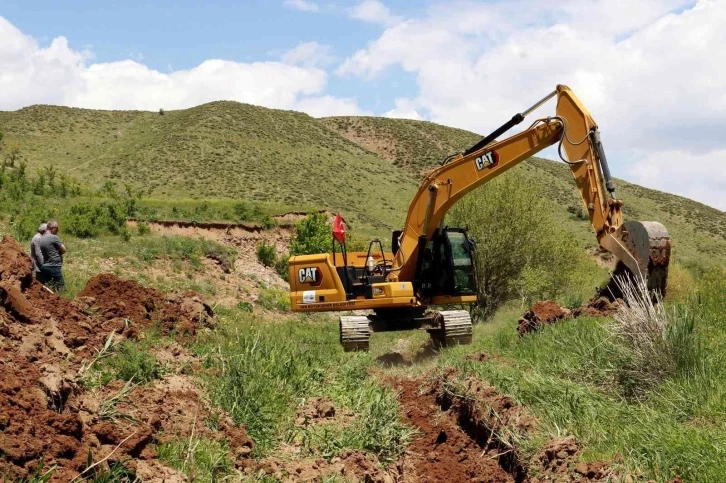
(312, 235)
(266, 253)
(281, 267)
(143, 228)
(521, 250)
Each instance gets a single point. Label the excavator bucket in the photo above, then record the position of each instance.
(644, 248)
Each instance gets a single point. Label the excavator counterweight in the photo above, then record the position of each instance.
(431, 265)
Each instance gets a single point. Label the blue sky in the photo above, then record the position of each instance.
(652, 72)
(173, 35)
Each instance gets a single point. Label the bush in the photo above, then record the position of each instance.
(266, 253)
(313, 234)
(281, 267)
(143, 228)
(521, 250)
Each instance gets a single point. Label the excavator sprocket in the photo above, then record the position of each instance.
(355, 332)
(455, 328)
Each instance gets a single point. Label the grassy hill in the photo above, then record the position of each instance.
(216, 150)
(698, 231)
(366, 167)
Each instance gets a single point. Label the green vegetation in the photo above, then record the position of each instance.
(266, 253)
(214, 151)
(312, 235)
(571, 376)
(129, 361)
(521, 252)
(200, 459)
(264, 368)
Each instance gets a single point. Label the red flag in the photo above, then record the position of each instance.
(339, 228)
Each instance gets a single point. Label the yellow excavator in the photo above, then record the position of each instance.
(432, 265)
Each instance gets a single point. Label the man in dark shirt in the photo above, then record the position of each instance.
(53, 249)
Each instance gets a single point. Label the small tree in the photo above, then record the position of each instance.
(12, 154)
(312, 235)
(521, 250)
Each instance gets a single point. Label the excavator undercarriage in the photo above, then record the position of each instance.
(431, 265)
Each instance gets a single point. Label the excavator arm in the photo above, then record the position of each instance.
(643, 247)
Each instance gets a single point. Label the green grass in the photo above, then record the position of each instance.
(264, 369)
(568, 375)
(129, 361)
(198, 458)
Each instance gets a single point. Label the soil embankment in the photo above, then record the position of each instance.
(47, 342)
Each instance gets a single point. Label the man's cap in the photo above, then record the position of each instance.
(43, 227)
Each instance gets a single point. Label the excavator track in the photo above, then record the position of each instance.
(455, 328)
(355, 333)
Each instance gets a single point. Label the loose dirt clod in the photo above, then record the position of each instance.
(549, 312)
(46, 415)
(541, 313)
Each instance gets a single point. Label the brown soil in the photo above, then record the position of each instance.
(45, 341)
(549, 312)
(470, 432)
(444, 451)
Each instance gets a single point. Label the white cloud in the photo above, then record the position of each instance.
(57, 74)
(304, 5)
(373, 11)
(696, 176)
(309, 54)
(404, 109)
(652, 73)
(320, 106)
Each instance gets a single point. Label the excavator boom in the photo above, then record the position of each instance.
(644, 247)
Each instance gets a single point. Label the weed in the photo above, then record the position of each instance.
(108, 408)
(130, 361)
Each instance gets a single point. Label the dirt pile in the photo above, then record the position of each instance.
(549, 312)
(115, 298)
(471, 432)
(46, 341)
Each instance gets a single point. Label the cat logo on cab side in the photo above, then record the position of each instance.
(310, 275)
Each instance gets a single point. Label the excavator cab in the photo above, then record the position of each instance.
(447, 265)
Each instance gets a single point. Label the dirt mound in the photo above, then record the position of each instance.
(558, 461)
(352, 465)
(549, 312)
(471, 432)
(113, 297)
(47, 416)
(443, 451)
(541, 313)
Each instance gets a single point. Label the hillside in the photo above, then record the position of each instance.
(216, 150)
(698, 231)
(366, 167)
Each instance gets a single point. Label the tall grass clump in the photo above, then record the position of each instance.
(656, 342)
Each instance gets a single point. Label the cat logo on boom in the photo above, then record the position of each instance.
(487, 160)
(311, 275)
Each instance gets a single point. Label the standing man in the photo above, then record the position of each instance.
(35, 254)
(53, 249)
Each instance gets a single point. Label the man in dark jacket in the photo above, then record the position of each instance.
(53, 249)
